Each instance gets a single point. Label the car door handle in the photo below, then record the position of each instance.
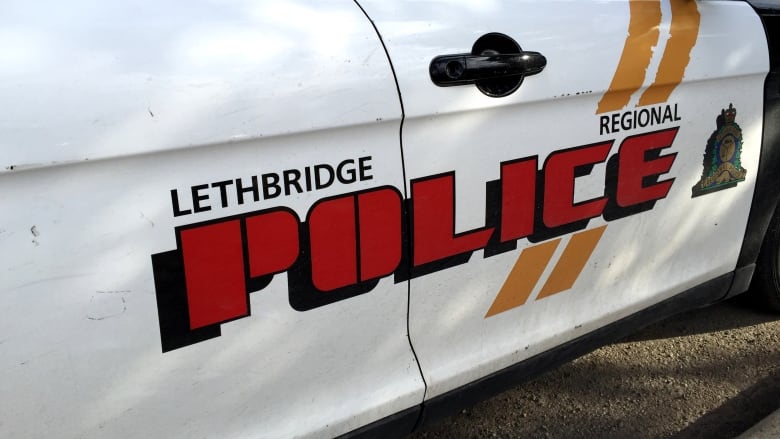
(462, 69)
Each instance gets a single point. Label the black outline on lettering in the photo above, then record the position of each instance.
(613, 211)
(415, 271)
(541, 231)
(168, 267)
(171, 287)
(302, 294)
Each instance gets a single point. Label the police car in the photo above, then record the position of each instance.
(309, 219)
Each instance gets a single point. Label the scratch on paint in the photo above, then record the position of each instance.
(124, 308)
(35, 234)
(27, 166)
(48, 279)
(147, 219)
(150, 111)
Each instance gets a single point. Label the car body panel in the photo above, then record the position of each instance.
(88, 81)
(359, 278)
(120, 110)
(474, 318)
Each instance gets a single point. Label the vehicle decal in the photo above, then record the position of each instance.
(683, 34)
(722, 166)
(236, 192)
(638, 118)
(348, 242)
(643, 34)
(532, 262)
(572, 262)
(523, 278)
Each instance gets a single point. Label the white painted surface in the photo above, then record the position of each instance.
(89, 80)
(641, 259)
(140, 99)
(208, 92)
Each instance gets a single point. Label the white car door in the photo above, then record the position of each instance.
(618, 174)
(200, 206)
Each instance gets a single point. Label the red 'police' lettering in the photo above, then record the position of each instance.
(634, 167)
(559, 174)
(379, 214)
(332, 231)
(355, 238)
(434, 237)
(272, 242)
(214, 273)
(518, 198)
(358, 237)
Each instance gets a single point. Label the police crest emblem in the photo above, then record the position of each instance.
(722, 166)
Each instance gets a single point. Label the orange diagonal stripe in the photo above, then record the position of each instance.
(572, 261)
(638, 50)
(677, 54)
(523, 277)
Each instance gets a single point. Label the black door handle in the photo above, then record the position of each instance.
(496, 65)
(449, 70)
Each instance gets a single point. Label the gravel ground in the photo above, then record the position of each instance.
(710, 373)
